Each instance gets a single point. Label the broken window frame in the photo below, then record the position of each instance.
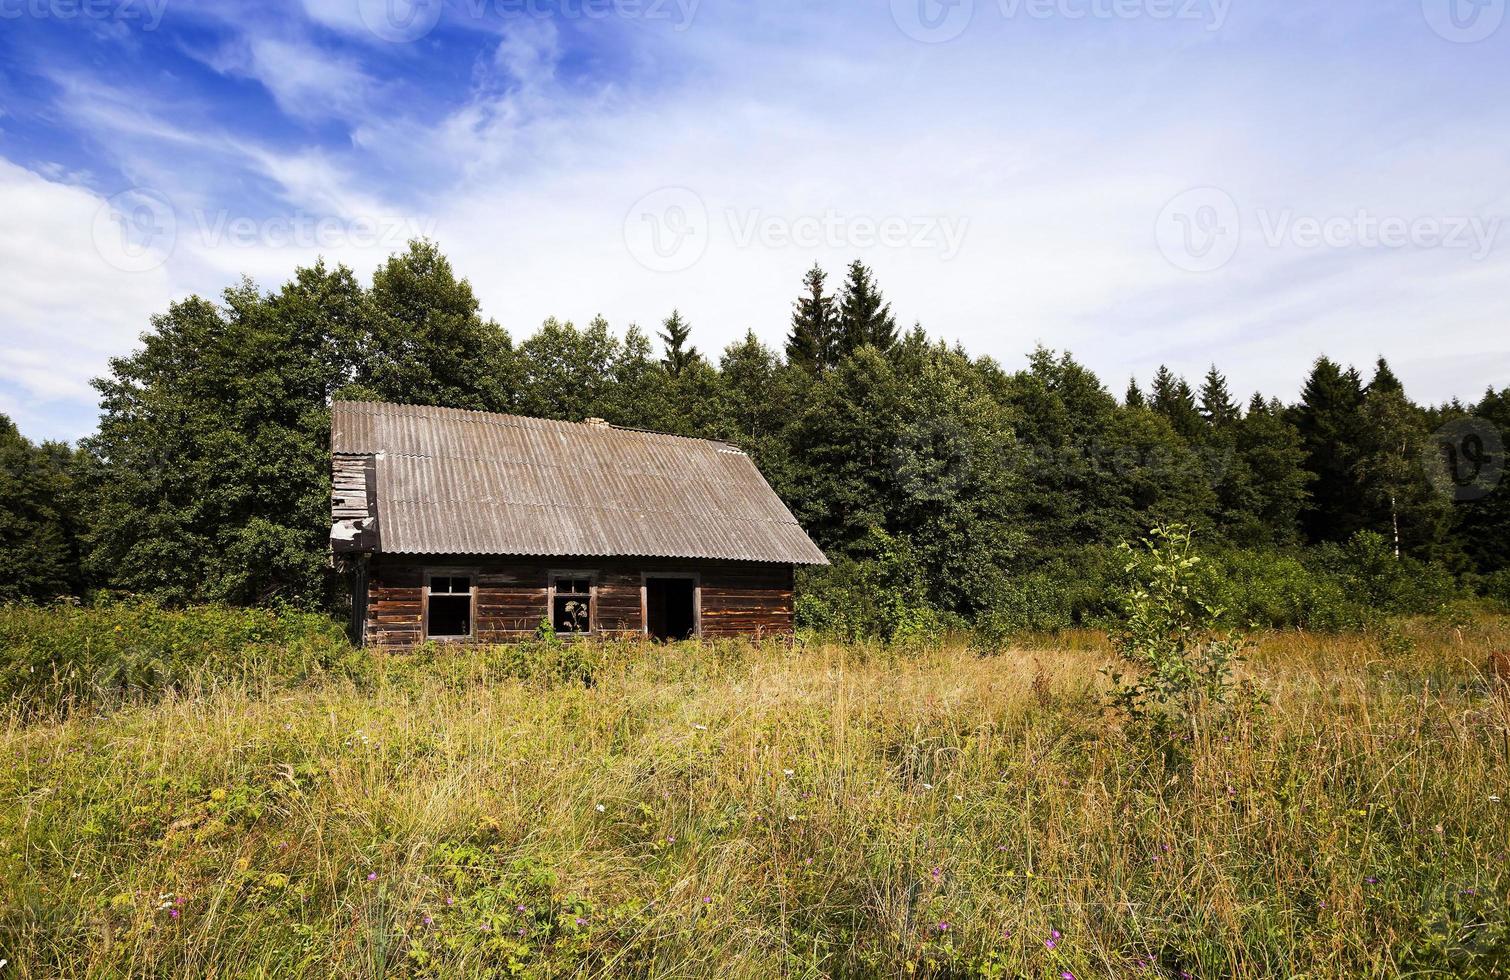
(582, 587)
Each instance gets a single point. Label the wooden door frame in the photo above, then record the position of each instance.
(697, 599)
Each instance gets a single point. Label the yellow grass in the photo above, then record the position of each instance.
(739, 811)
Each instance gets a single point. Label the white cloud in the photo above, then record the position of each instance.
(65, 309)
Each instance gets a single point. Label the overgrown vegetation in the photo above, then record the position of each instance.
(857, 809)
(70, 654)
(949, 489)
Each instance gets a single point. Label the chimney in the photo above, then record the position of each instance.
(596, 423)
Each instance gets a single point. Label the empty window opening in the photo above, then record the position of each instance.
(571, 609)
(670, 608)
(450, 606)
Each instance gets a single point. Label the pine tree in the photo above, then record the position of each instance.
(1217, 407)
(674, 335)
(1329, 418)
(1384, 379)
(810, 344)
(1173, 399)
(1134, 397)
(864, 316)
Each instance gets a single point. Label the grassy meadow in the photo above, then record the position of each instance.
(756, 811)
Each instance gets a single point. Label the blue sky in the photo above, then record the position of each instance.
(1245, 182)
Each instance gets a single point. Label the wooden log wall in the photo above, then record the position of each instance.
(511, 597)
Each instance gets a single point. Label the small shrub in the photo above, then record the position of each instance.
(1176, 672)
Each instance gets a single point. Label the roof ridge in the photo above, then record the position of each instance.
(421, 409)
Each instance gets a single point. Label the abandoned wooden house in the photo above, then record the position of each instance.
(475, 527)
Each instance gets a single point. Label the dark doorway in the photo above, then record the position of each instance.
(670, 608)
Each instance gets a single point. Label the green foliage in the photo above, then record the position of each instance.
(208, 479)
(865, 318)
(38, 554)
(674, 335)
(1176, 667)
(813, 341)
(882, 594)
(70, 654)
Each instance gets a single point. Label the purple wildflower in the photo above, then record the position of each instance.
(372, 876)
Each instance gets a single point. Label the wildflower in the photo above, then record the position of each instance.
(1067, 975)
(928, 786)
(372, 876)
(173, 913)
(581, 922)
(943, 927)
(786, 772)
(519, 908)
(707, 900)
(428, 921)
(1370, 880)
(937, 873)
(600, 808)
(450, 900)
(700, 728)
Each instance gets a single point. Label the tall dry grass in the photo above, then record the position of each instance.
(756, 811)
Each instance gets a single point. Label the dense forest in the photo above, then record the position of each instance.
(946, 488)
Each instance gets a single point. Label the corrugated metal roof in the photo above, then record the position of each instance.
(451, 481)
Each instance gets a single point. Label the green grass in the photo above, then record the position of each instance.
(728, 810)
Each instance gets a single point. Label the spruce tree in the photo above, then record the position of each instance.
(1173, 399)
(810, 345)
(864, 316)
(1217, 407)
(674, 335)
(1329, 418)
(1134, 397)
(1384, 379)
